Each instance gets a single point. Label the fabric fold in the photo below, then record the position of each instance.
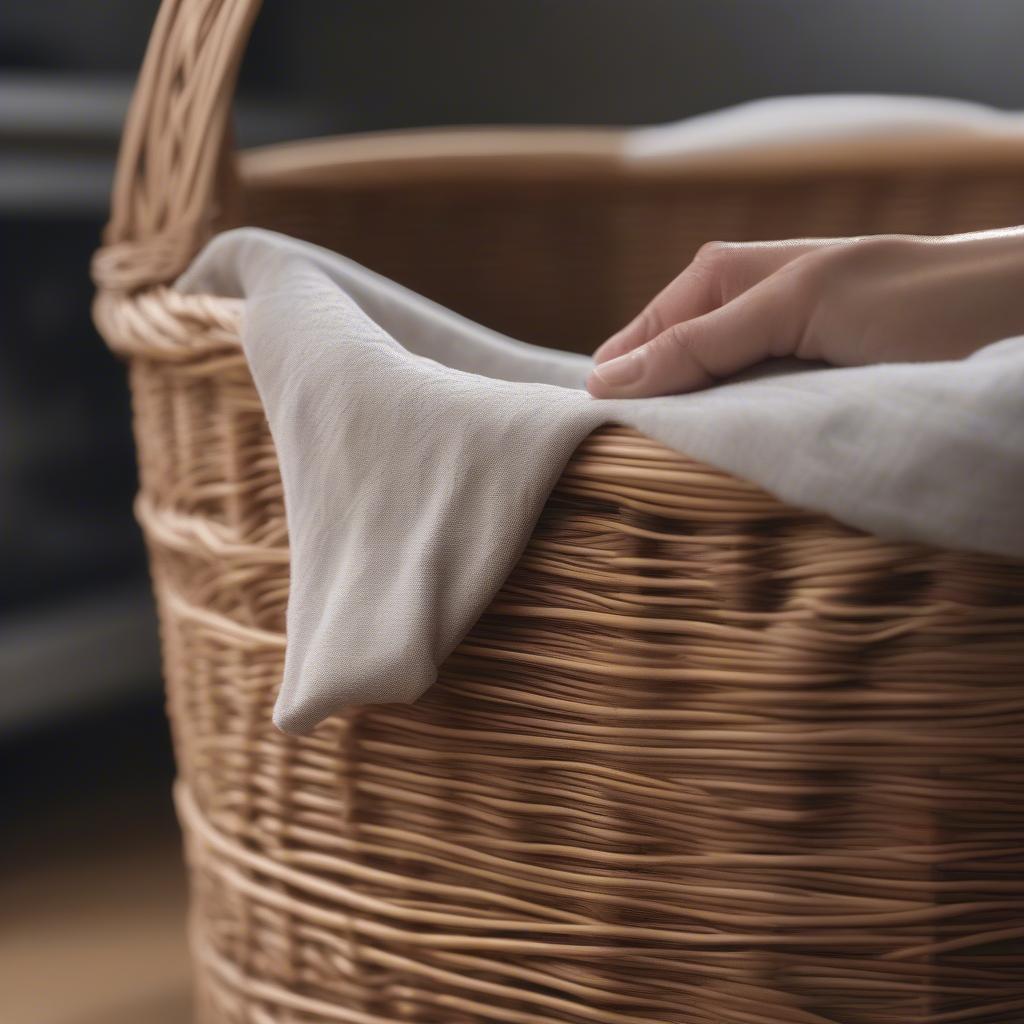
(417, 450)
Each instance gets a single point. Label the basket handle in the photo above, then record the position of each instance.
(175, 174)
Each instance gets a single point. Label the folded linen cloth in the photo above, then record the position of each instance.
(417, 450)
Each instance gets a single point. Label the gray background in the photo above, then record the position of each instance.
(375, 63)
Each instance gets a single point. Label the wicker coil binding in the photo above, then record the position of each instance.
(707, 759)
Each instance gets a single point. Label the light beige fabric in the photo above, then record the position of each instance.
(417, 450)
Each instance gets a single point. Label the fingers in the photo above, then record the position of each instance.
(689, 295)
(767, 320)
(719, 272)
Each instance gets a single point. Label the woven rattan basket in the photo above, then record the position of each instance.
(707, 759)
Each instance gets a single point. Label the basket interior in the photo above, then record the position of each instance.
(562, 251)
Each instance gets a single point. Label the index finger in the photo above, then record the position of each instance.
(719, 273)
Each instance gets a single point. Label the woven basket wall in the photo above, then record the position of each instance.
(707, 759)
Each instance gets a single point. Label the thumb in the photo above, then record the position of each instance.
(763, 322)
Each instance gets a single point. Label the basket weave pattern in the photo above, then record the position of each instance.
(706, 759)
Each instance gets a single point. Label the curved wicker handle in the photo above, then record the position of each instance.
(174, 172)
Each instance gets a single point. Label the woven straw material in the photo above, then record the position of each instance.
(706, 759)
(561, 256)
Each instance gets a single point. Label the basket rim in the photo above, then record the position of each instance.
(408, 155)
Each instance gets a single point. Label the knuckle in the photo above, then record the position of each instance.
(888, 245)
(714, 253)
(674, 359)
(870, 251)
(829, 272)
(672, 343)
(726, 266)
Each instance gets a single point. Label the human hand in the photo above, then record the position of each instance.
(848, 302)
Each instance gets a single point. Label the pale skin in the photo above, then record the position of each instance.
(846, 302)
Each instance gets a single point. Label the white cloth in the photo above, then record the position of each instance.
(791, 120)
(417, 450)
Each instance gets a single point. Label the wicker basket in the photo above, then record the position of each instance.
(707, 759)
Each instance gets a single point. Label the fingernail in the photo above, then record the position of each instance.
(618, 372)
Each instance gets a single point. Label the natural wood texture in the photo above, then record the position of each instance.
(707, 759)
(566, 253)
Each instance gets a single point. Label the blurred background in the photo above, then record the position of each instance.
(90, 883)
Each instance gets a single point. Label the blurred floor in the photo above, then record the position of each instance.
(91, 884)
